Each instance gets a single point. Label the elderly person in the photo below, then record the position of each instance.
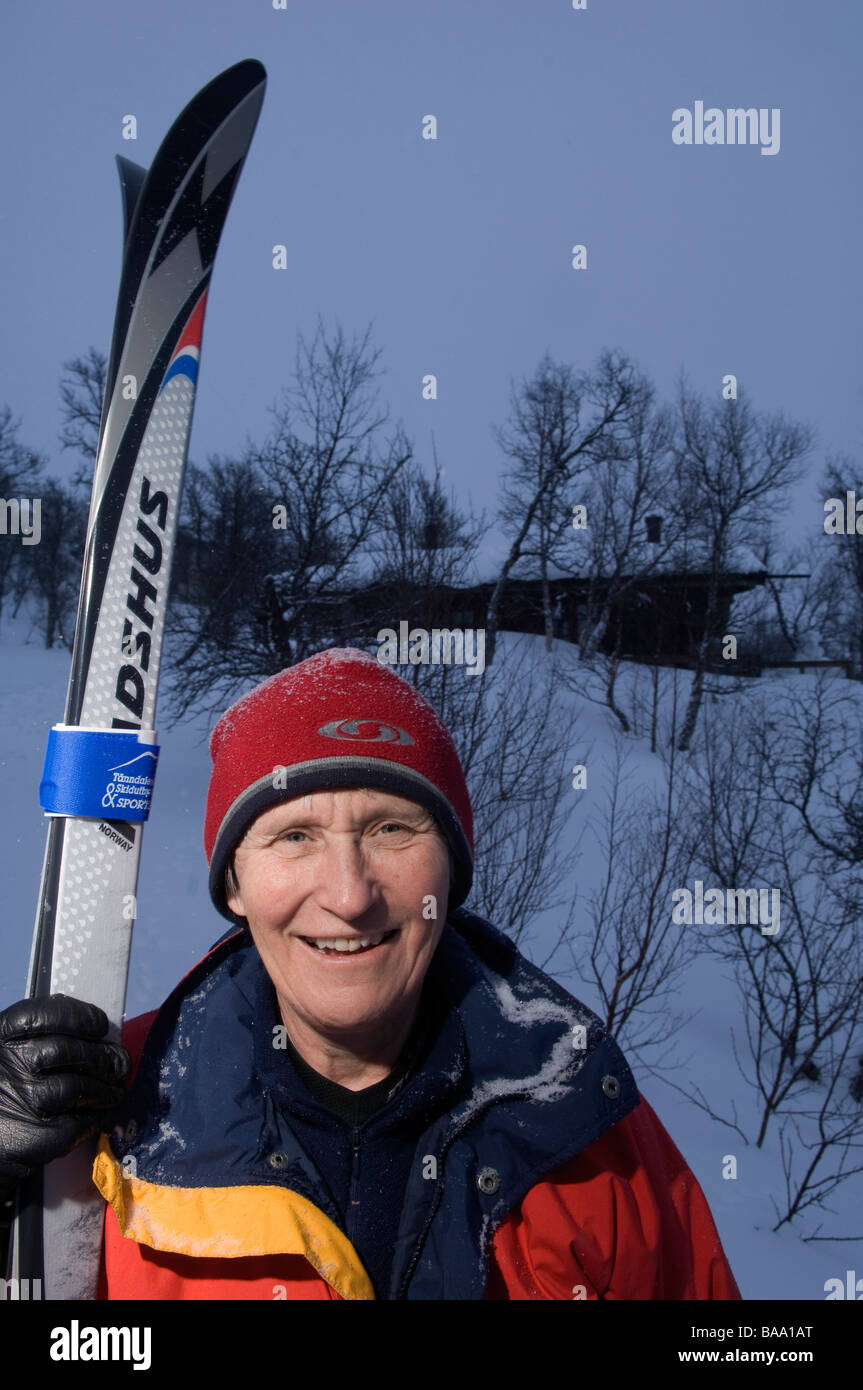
(364, 1090)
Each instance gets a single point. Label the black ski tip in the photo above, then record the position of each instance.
(148, 193)
(230, 87)
(248, 70)
(242, 84)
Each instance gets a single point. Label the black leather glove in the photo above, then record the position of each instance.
(57, 1080)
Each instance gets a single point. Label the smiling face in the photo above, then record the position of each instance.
(333, 887)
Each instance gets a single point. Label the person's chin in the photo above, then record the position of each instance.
(358, 1020)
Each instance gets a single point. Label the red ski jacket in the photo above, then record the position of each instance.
(620, 1217)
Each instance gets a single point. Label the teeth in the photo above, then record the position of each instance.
(351, 944)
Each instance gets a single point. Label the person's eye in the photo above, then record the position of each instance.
(394, 825)
(288, 836)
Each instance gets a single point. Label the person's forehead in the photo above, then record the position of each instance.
(355, 801)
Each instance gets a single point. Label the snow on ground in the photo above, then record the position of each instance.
(176, 924)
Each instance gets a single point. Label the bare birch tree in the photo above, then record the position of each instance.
(733, 466)
(332, 468)
(427, 538)
(226, 548)
(622, 941)
(558, 422)
(55, 563)
(782, 811)
(511, 734)
(82, 388)
(280, 534)
(632, 478)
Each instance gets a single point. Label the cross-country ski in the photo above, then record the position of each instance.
(96, 784)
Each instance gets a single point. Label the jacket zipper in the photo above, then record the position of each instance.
(353, 1211)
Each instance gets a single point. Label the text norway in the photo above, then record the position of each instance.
(130, 682)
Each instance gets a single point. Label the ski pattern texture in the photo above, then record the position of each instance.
(99, 866)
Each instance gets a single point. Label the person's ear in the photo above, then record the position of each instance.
(233, 896)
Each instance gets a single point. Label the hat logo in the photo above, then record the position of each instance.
(365, 731)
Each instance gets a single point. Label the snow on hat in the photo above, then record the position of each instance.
(337, 719)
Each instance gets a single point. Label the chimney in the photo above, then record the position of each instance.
(654, 529)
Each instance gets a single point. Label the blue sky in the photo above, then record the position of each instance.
(554, 128)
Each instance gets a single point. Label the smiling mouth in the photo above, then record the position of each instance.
(344, 947)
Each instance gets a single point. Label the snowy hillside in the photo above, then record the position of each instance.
(176, 924)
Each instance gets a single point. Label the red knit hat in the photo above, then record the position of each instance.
(337, 719)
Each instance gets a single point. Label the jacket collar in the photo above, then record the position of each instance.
(546, 1081)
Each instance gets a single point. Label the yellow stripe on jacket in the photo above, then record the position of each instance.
(230, 1222)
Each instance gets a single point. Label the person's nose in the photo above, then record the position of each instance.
(348, 886)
